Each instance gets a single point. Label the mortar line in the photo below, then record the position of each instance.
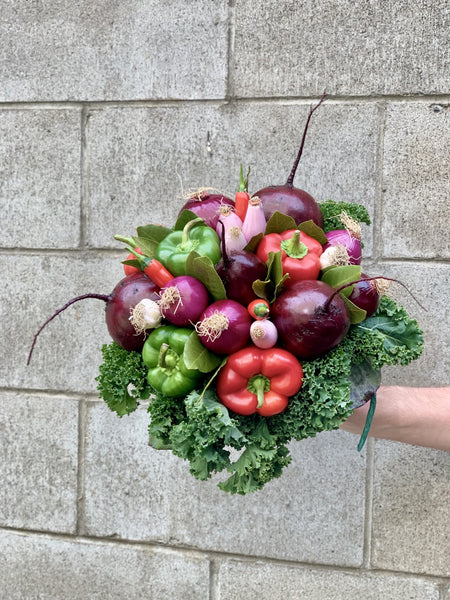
(82, 414)
(213, 579)
(230, 49)
(217, 555)
(99, 104)
(83, 178)
(368, 506)
(379, 202)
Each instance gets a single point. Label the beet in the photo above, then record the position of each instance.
(238, 271)
(127, 293)
(288, 199)
(311, 318)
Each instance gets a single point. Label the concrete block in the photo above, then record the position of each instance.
(38, 466)
(314, 512)
(298, 49)
(430, 284)
(416, 181)
(68, 351)
(137, 157)
(266, 581)
(40, 178)
(410, 526)
(55, 568)
(113, 51)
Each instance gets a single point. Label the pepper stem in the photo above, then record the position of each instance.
(243, 182)
(186, 230)
(167, 358)
(144, 261)
(258, 385)
(294, 247)
(126, 240)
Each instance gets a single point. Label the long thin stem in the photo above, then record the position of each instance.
(60, 310)
(290, 179)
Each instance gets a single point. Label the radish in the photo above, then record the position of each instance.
(183, 300)
(264, 334)
(119, 304)
(288, 199)
(224, 327)
(311, 318)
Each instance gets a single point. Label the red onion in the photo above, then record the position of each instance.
(183, 300)
(206, 205)
(349, 238)
(224, 327)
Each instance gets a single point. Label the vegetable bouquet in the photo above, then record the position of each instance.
(248, 324)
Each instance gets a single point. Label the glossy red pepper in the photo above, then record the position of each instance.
(300, 254)
(259, 380)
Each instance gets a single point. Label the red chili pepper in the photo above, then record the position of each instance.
(152, 268)
(300, 254)
(259, 309)
(259, 380)
(242, 196)
(129, 269)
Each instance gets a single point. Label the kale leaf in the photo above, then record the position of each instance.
(331, 211)
(122, 379)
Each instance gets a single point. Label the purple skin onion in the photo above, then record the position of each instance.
(341, 237)
(207, 206)
(365, 295)
(183, 300)
(224, 327)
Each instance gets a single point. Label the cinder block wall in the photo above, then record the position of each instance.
(108, 110)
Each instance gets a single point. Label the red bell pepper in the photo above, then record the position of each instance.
(300, 254)
(259, 380)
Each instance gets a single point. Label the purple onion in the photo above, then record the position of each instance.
(341, 237)
(224, 327)
(183, 300)
(207, 206)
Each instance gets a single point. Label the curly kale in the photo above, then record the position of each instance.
(252, 450)
(122, 379)
(331, 211)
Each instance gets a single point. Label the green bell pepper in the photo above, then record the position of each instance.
(175, 248)
(163, 356)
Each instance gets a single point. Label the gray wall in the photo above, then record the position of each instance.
(107, 111)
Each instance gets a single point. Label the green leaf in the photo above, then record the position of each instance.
(196, 356)
(133, 262)
(279, 222)
(338, 276)
(184, 218)
(314, 231)
(397, 333)
(253, 243)
(357, 315)
(273, 284)
(202, 268)
(149, 237)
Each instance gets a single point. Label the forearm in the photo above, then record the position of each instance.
(419, 416)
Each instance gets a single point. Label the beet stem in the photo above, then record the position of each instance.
(60, 310)
(290, 179)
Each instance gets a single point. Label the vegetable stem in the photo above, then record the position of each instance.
(294, 247)
(290, 179)
(187, 228)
